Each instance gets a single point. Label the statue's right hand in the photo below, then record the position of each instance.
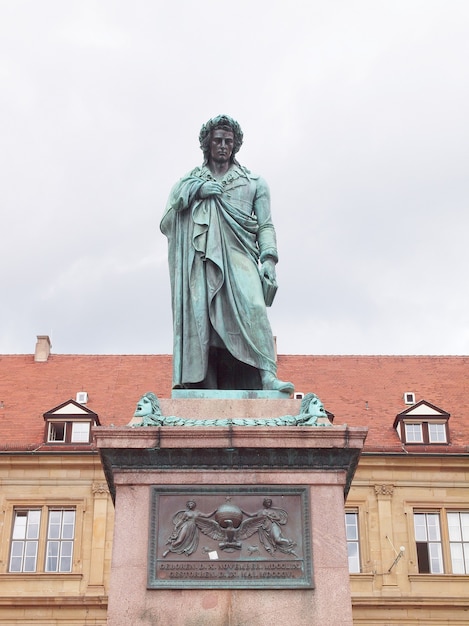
(210, 188)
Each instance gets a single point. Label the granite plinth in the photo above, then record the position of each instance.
(321, 460)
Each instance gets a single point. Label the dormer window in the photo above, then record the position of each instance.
(69, 431)
(423, 423)
(69, 423)
(437, 433)
(57, 431)
(413, 433)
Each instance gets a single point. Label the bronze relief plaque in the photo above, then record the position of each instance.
(230, 537)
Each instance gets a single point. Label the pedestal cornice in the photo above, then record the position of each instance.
(167, 448)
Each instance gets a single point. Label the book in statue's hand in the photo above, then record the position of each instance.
(269, 288)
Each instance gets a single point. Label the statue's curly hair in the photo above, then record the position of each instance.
(155, 404)
(227, 123)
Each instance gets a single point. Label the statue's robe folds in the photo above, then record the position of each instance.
(215, 245)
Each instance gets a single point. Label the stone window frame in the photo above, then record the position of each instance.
(360, 509)
(412, 508)
(429, 547)
(44, 505)
(353, 541)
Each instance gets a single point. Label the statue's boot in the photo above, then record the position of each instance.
(271, 383)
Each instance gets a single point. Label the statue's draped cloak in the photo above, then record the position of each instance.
(214, 248)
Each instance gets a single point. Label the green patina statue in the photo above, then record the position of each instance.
(222, 257)
(149, 411)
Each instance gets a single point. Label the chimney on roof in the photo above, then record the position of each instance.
(43, 347)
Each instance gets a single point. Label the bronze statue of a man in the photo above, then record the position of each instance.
(222, 247)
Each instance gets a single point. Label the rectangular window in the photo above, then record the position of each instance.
(69, 431)
(458, 531)
(57, 431)
(428, 541)
(60, 535)
(31, 551)
(80, 432)
(436, 433)
(353, 546)
(413, 433)
(24, 544)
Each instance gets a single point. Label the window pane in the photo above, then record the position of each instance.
(454, 527)
(433, 525)
(68, 530)
(55, 521)
(420, 527)
(437, 433)
(353, 558)
(30, 556)
(413, 433)
(465, 526)
(52, 556)
(57, 431)
(69, 517)
(19, 528)
(457, 558)
(17, 548)
(466, 557)
(16, 560)
(66, 557)
(423, 557)
(436, 558)
(351, 526)
(353, 546)
(81, 432)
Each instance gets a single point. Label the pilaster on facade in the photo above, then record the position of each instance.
(101, 501)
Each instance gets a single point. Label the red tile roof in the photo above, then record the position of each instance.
(358, 390)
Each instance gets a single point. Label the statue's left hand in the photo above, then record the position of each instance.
(268, 270)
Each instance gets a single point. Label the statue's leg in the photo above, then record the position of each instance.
(234, 374)
(271, 382)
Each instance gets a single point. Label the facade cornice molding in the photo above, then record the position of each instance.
(49, 601)
(398, 602)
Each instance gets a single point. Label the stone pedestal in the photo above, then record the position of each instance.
(308, 468)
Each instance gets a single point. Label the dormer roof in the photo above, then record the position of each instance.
(422, 409)
(73, 410)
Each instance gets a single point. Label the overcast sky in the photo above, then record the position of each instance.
(356, 112)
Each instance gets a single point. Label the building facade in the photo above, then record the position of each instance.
(407, 512)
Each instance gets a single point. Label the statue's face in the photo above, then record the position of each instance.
(317, 408)
(221, 145)
(143, 407)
